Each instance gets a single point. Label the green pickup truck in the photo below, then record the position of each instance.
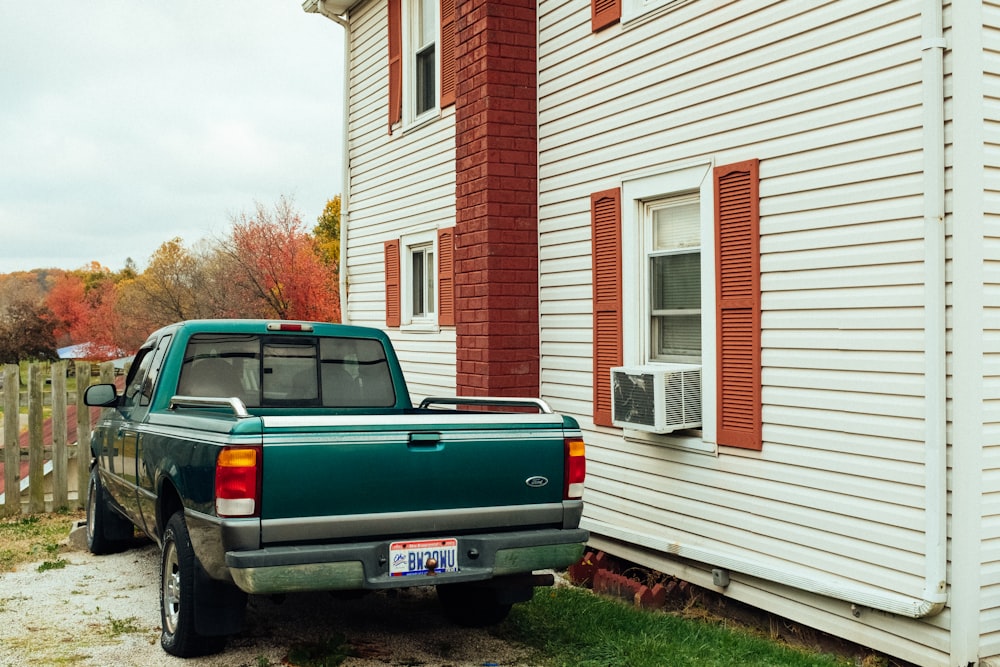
(276, 457)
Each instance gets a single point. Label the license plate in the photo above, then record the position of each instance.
(409, 558)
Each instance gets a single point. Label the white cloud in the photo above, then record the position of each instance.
(124, 124)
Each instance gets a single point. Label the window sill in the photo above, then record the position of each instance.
(421, 327)
(689, 441)
(419, 122)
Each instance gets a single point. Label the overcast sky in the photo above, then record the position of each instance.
(125, 123)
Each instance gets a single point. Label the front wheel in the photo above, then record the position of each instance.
(177, 599)
(107, 531)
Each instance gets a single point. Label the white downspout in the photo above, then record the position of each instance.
(320, 7)
(935, 375)
(970, 615)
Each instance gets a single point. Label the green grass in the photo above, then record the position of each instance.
(26, 539)
(122, 626)
(574, 627)
(57, 564)
(564, 626)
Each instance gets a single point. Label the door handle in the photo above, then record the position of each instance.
(425, 442)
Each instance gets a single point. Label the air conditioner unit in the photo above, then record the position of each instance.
(658, 398)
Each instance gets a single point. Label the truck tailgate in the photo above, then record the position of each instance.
(359, 466)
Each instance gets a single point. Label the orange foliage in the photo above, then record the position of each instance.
(83, 307)
(281, 267)
(269, 266)
(71, 313)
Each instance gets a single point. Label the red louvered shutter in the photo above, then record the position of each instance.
(604, 13)
(391, 252)
(447, 53)
(605, 216)
(737, 224)
(446, 277)
(395, 63)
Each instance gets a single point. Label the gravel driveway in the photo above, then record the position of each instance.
(104, 610)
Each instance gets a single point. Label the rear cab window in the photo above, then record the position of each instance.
(287, 371)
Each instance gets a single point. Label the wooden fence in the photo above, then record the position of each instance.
(41, 464)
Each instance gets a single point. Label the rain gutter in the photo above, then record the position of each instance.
(325, 8)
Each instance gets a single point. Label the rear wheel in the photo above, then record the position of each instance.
(107, 530)
(178, 602)
(472, 606)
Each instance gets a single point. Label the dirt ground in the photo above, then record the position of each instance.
(104, 610)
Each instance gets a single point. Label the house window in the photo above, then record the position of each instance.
(420, 47)
(420, 280)
(422, 289)
(667, 232)
(421, 61)
(649, 236)
(673, 277)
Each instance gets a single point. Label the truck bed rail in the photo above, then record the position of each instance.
(538, 403)
(238, 408)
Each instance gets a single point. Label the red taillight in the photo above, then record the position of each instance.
(575, 469)
(237, 477)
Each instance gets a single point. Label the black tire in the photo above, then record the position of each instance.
(178, 602)
(107, 530)
(472, 606)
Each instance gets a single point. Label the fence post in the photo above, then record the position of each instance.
(11, 440)
(82, 433)
(108, 372)
(36, 454)
(60, 457)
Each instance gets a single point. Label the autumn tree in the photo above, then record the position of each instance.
(21, 287)
(67, 301)
(82, 306)
(121, 323)
(26, 333)
(327, 234)
(171, 285)
(276, 262)
(103, 333)
(268, 266)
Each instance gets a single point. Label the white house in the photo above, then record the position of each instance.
(787, 214)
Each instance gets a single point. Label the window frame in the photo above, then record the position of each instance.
(637, 193)
(649, 209)
(411, 49)
(411, 244)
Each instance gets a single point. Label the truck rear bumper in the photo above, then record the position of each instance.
(364, 565)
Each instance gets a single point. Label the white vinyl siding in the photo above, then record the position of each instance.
(401, 185)
(828, 97)
(989, 575)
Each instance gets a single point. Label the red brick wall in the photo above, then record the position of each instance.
(496, 233)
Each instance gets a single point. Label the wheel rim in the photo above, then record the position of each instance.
(171, 588)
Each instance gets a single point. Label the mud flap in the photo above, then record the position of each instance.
(517, 587)
(220, 607)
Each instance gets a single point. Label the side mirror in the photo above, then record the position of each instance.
(101, 395)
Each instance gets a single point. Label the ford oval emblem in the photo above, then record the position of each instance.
(536, 482)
